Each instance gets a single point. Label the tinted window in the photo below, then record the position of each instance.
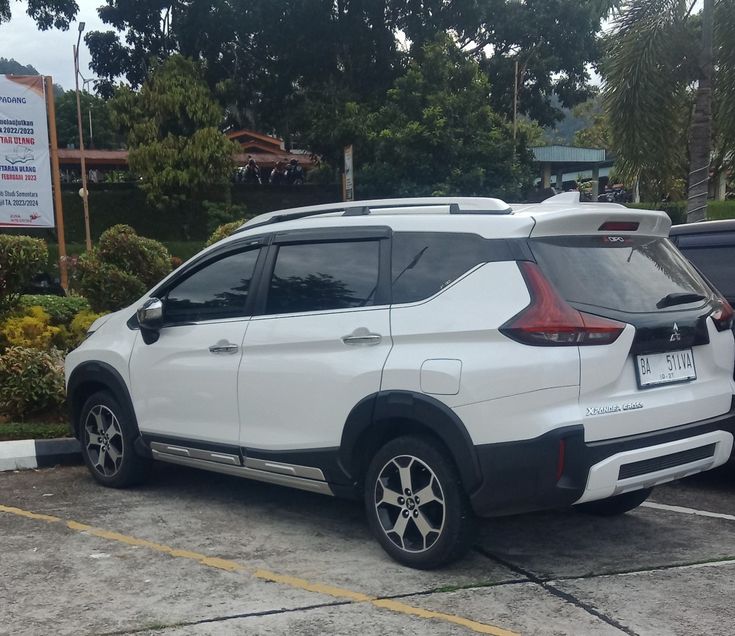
(615, 272)
(424, 262)
(219, 290)
(717, 264)
(324, 276)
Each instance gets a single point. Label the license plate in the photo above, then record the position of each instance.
(655, 369)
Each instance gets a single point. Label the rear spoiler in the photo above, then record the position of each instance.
(565, 215)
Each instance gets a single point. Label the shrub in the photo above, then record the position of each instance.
(221, 213)
(144, 258)
(61, 309)
(30, 330)
(223, 231)
(21, 258)
(31, 382)
(120, 268)
(106, 287)
(80, 325)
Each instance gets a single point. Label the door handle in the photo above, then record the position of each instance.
(362, 337)
(224, 347)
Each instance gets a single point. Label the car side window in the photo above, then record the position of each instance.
(424, 262)
(216, 291)
(324, 276)
(716, 263)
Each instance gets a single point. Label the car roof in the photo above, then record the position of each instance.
(727, 225)
(561, 214)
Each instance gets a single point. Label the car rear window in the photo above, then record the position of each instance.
(622, 273)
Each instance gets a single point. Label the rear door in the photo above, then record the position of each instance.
(321, 341)
(674, 366)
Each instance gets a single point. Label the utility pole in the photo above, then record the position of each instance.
(515, 103)
(700, 143)
(85, 191)
(56, 178)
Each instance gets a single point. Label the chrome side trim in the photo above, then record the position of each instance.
(307, 472)
(195, 453)
(291, 481)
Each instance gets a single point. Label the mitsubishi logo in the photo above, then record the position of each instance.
(675, 335)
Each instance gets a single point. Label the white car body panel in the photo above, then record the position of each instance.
(181, 389)
(112, 344)
(291, 363)
(493, 366)
(609, 379)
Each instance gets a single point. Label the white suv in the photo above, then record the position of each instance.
(441, 358)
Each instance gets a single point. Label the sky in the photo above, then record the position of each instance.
(50, 52)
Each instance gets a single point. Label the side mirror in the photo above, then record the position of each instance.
(150, 314)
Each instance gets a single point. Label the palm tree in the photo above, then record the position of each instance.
(657, 53)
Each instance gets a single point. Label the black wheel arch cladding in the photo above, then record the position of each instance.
(89, 378)
(372, 420)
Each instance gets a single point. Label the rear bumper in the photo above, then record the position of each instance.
(559, 469)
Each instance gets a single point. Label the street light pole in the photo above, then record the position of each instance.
(85, 192)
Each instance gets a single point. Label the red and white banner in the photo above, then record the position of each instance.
(25, 171)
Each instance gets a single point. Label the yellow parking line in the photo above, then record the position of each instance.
(266, 575)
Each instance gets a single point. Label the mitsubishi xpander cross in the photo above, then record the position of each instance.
(440, 358)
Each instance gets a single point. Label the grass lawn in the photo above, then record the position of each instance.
(32, 430)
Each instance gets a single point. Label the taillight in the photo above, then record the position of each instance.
(723, 315)
(619, 226)
(550, 321)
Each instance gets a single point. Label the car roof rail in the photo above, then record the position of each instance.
(458, 205)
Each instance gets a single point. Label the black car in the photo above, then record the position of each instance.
(710, 245)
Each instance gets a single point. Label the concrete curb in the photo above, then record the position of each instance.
(39, 453)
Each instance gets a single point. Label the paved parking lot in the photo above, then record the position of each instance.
(197, 553)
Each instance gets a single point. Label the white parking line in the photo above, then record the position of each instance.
(688, 511)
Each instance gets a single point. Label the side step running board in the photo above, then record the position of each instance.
(301, 477)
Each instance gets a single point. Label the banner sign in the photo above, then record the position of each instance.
(349, 175)
(25, 171)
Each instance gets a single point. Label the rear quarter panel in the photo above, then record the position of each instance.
(502, 383)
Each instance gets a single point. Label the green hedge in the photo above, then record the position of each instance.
(126, 203)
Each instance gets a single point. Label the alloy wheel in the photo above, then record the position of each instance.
(104, 441)
(409, 502)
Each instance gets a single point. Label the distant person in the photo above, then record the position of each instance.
(252, 172)
(278, 174)
(294, 173)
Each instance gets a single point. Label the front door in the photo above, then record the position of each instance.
(320, 343)
(184, 385)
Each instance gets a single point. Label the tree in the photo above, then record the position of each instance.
(13, 67)
(104, 133)
(437, 133)
(596, 132)
(174, 142)
(275, 65)
(46, 13)
(553, 42)
(264, 59)
(654, 57)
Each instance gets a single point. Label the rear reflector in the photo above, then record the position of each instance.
(560, 459)
(723, 315)
(619, 226)
(549, 321)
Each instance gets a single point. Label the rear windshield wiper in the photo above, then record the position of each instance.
(679, 298)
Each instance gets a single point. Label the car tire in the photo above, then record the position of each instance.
(617, 505)
(107, 435)
(416, 505)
